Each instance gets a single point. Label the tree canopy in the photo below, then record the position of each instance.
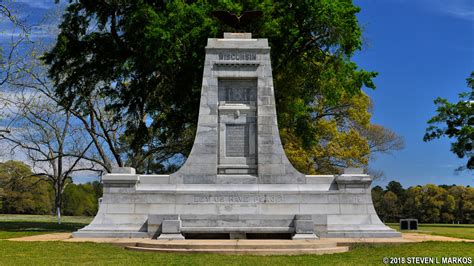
(456, 120)
(82, 199)
(429, 203)
(22, 192)
(146, 57)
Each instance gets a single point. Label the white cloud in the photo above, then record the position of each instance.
(461, 9)
(40, 17)
(43, 4)
(32, 36)
(447, 166)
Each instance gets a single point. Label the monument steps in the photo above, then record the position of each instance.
(248, 248)
(228, 229)
(318, 251)
(366, 234)
(256, 245)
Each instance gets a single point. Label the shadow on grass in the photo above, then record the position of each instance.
(24, 226)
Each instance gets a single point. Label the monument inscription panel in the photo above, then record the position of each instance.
(237, 140)
(238, 95)
(237, 125)
(238, 91)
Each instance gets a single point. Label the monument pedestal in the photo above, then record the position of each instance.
(326, 206)
(237, 180)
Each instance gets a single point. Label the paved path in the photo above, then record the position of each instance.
(418, 237)
(406, 238)
(45, 237)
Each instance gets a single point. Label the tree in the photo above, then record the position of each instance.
(390, 206)
(448, 207)
(98, 189)
(398, 189)
(80, 200)
(45, 134)
(464, 204)
(434, 201)
(7, 58)
(377, 194)
(458, 119)
(381, 140)
(136, 54)
(29, 73)
(429, 203)
(335, 142)
(95, 121)
(51, 135)
(22, 192)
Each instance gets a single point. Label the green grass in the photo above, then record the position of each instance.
(45, 218)
(53, 253)
(26, 225)
(465, 231)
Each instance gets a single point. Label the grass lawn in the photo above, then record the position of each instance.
(42, 253)
(465, 231)
(53, 253)
(26, 225)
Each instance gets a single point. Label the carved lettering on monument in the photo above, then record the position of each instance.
(238, 95)
(199, 198)
(237, 140)
(237, 56)
(239, 198)
(238, 91)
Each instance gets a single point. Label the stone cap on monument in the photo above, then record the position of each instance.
(123, 170)
(353, 171)
(121, 175)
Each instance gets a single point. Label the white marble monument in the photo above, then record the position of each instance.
(237, 181)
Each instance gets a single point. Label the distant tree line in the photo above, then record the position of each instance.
(22, 192)
(429, 203)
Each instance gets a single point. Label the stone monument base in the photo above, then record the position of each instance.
(144, 206)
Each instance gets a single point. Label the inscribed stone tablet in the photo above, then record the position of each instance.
(238, 95)
(237, 140)
(238, 91)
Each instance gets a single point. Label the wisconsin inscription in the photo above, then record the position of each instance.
(237, 56)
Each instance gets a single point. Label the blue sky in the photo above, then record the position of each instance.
(422, 49)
